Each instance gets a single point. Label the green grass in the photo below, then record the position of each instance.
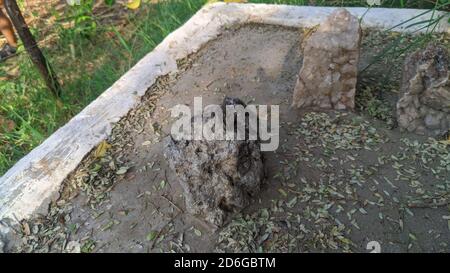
(89, 59)
(98, 62)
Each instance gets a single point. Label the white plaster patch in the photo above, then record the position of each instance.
(36, 178)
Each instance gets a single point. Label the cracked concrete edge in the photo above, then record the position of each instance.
(30, 185)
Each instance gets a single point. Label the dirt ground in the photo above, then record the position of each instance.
(338, 181)
(49, 16)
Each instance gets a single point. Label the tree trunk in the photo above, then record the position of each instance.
(31, 46)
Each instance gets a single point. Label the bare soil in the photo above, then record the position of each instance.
(338, 181)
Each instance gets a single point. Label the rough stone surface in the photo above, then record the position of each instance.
(218, 177)
(328, 76)
(424, 105)
(31, 183)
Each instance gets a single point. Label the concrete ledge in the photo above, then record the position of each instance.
(36, 178)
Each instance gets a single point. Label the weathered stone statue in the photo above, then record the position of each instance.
(219, 177)
(424, 104)
(328, 76)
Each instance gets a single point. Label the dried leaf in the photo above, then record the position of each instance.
(197, 232)
(102, 149)
(162, 184)
(122, 170)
